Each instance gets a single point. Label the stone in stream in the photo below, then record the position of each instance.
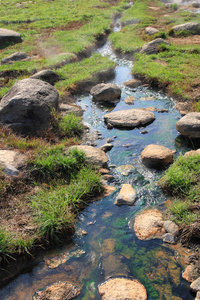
(169, 238)
(153, 46)
(126, 195)
(155, 156)
(94, 155)
(133, 83)
(106, 93)
(9, 36)
(191, 273)
(130, 118)
(125, 169)
(47, 75)
(58, 291)
(27, 107)
(129, 100)
(17, 56)
(122, 288)
(106, 147)
(171, 227)
(151, 30)
(191, 27)
(189, 125)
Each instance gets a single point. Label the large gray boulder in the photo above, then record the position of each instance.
(15, 57)
(153, 46)
(130, 118)
(46, 75)
(192, 27)
(9, 36)
(27, 108)
(106, 92)
(189, 125)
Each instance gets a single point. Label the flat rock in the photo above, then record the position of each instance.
(169, 238)
(67, 109)
(153, 46)
(191, 273)
(125, 169)
(122, 288)
(106, 147)
(47, 75)
(17, 56)
(151, 30)
(9, 36)
(133, 83)
(129, 118)
(192, 152)
(129, 100)
(58, 291)
(27, 107)
(94, 155)
(148, 224)
(189, 125)
(171, 227)
(106, 92)
(155, 156)
(126, 195)
(195, 285)
(192, 27)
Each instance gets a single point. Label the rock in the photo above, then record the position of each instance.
(108, 177)
(10, 170)
(126, 195)
(58, 291)
(195, 285)
(153, 46)
(125, 169)
(192, 27)
(106, 92)
(9, 36)
(169, 238)
(155, 156)
(67, 109)
(15, 57)
(47, 75)
(109, 140)
(144, 132)
(129, 100)
(122, 288)
(197, 296)
(10, 161)
(104, 171)
(94, 155)
(171, 227)
(148, 224)
(129, 118)
(133, 83)
(151, 30)
(196, 4)
(191, 273)
(189, 125)
(27, 107)
(106, 147)
(192, 152)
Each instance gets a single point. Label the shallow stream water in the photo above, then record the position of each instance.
(110, 248)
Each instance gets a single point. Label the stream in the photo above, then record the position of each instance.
(104, 245)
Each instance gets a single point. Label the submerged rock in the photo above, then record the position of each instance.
(189, 125)
(15, 57)
(130, 118)
(9, 36)
(125, 169)
(155, 156)
(47, 75)
(153, 46)
(27, 107)
(129, 100)
(106, 92)
(122, 288)
(126, 195)
(58, 291)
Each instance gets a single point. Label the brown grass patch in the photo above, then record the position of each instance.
(190, 40)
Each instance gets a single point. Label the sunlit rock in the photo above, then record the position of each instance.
(125, 169)
(153, 46)
(151, 30)
(191, 27)
(9, 36)
(126, 195)
(171, 227)
(106, 92)
(133, 83)
(189, 125)
(17, 56)
(129, 100)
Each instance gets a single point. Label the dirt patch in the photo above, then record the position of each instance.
(161, 62)
(190, 40)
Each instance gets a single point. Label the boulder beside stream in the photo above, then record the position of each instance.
(189, 125)
(153, 46)
(106, 92)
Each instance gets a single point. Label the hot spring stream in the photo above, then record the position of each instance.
(110, 248)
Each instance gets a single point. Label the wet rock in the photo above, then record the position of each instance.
(17, 56)
(169, 238)
(129, 100)
(94, 155)
(151, 30)
(189, 125)
(148, 224)
(133, 83)
(171, 227)
(195, 285)
(9, 36)
(153, 46)
(106, 147)
(47, 75)
(192, 152)
(67, 109)
(106, 92)
(125, 169)
(192, 27)
(191, 273)
(109, 141)
(58, 291)
(144, 132)
(122, 288)
(27, 108)
(129, 118)
(126, 195)
(155, 156)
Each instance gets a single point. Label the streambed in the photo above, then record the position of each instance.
(104, 245)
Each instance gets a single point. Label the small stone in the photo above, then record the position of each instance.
(126, 195)
(125, 169)
(133, 83)
(108, 177)
(151, 30)
(191, 273)
(109, 140)
(106, 147)
(195, 285)
(129, 100)
(104, 171)
(171, 227)
(144, 132)
(11, 170)
(169, 238)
